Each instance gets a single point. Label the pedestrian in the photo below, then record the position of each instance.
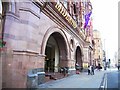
(92, 70)
(77, 66)
(118, 67)
(88, 69)
(99, 66)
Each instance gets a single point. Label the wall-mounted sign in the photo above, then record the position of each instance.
(65, 14)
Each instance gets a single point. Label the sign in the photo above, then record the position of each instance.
(65, 14)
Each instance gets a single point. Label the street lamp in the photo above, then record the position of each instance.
(104, 54)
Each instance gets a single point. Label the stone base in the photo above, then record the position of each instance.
(16, 66)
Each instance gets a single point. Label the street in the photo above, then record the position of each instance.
(112, 79)
(83, 80)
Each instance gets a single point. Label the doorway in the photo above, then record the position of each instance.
(56, 53)
(78, 57)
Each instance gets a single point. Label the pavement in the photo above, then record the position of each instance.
(82, 80)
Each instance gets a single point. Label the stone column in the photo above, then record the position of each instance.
(86, 57)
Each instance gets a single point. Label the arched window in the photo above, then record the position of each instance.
(72, 44)
(70, 8)
(74, 6)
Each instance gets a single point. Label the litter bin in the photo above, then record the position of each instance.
(41, 77)
(32, 80)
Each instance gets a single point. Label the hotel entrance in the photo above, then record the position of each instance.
(56, 53)
(52, 56)
(55, 56)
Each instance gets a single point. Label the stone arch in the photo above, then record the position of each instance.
(62, 42)
(78, 56)
(81, 48)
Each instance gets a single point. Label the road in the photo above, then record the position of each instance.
(111, 80)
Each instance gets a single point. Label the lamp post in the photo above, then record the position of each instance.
(118, 65)
(104, 56)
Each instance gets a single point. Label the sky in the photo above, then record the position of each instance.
(105, 20)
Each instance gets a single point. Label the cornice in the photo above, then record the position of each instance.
(49, 10)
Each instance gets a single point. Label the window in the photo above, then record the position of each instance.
(9, 6)
(68, 7)
(74, 6)
(99, 56)
(57, 1)
(12, 6)
(71, 42)
(64, 2)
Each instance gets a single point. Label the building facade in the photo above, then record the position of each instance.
(42, 37)
(98, 54)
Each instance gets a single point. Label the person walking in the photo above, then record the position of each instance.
(118, 67)
(92, 70)
(88, 70)
(77, 66)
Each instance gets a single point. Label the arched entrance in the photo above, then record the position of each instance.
(56, 53)
(78, 56)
